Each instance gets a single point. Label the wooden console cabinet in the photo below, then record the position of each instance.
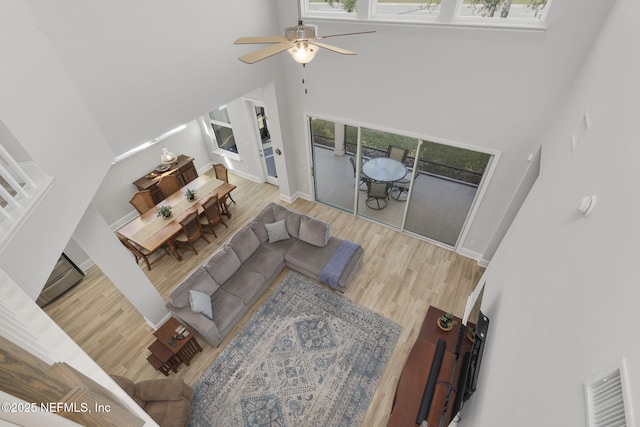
(183, 169)
(413, 378)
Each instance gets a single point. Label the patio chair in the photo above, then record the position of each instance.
(400, 189)
(377, 195)
(362, 184)
(397, 153)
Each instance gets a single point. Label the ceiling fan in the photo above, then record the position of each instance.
(301, 41)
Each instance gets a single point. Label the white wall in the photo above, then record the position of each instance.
(148, 66)
(562, 290)
(492, 89)
(112, 198)
(42, 109)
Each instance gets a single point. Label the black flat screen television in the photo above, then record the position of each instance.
(469, 362)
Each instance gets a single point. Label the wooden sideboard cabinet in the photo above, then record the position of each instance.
(183, 169)
(414, 375)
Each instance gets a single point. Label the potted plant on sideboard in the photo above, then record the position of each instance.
(446, 322)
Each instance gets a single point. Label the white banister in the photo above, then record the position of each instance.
(16, 167)
(22, 186)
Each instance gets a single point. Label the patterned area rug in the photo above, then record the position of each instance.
(307, 357)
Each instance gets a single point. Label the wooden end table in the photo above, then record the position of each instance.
(166, 356)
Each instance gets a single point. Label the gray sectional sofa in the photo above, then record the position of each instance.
(235, 276)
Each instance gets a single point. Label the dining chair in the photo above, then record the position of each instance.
(142, 201)
(141, 253)
(191, 232)
(168, 184)
(397, 153)
(222, 174)
(377, 192)
(212, 214)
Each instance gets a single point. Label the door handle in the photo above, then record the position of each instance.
(278, 152)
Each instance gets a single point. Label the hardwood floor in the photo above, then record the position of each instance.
(400, 277)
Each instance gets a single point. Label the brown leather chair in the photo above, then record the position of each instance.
(167, 401)
(223, 175)
(191, 232)
(168, 184)
(141, 253)
(142, 201)
(212, 214)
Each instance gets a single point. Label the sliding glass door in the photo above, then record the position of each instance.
(444, 187)
(421, 187)
(333, 167)
(386, 161)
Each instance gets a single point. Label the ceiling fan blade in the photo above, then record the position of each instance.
(333, 48)
(344, 34)
(266, 52)
(257, 40)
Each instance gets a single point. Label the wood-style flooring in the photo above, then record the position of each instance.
(400, 277)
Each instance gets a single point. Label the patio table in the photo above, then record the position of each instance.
(384, 169)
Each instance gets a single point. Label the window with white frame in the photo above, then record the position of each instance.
(512, 13)
(222, 130)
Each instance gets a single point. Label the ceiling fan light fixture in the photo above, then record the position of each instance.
(302, 52)
(301, 32)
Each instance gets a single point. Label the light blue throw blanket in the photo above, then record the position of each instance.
(333, 269)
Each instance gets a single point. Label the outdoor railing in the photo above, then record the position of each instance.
(427, 167)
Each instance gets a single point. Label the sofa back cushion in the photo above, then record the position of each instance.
(223, 264)
(198, 280)
(264, 217)
(314, 231)
(244, 243)
(292, 219)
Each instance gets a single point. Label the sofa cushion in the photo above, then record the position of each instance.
(169, 413)
(264, 217)
(277, 231)
(223, 265)
(244, 243)
(226, 307)
(199, 280)
(309, 259)
(200, 303)
(244, 284)
(314, 231)
(292, 219)
(266, 261)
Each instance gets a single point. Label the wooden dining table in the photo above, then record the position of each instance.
(151, 231)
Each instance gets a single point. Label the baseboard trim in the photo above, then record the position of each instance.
(473, 255)
(160, 323)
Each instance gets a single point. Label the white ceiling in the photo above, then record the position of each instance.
(144, 67)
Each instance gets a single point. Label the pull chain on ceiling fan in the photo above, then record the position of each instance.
(301, 41)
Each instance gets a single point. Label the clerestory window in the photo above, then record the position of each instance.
(509, 13)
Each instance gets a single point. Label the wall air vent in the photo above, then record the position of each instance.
(609, 399)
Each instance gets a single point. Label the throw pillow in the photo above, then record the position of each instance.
(200, 303)
(277, 231)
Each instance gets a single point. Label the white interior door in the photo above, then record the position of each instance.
(265, 149)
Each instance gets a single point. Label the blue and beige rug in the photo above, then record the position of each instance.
(308, 356)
